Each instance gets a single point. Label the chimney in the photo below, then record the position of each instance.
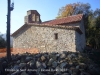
(32, 17)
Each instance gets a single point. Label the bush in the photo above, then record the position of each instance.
(2, 42)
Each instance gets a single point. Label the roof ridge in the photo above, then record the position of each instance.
(71, 16)
(48, 25)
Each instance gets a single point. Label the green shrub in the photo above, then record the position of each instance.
(2, 42)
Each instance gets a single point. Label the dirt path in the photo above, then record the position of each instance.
(2, 55)
(16, 51)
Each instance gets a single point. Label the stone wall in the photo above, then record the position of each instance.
(43, 39)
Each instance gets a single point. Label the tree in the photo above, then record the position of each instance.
(97, 17)
(91, 20)
(73, 9)
(2, 42)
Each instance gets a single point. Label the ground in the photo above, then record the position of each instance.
(16, 51)
(73, 63)
(65, 63)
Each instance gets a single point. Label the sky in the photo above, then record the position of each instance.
(48, 10)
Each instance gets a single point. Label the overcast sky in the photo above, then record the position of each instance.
(48, 10)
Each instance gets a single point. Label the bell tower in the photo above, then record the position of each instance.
(32, 17)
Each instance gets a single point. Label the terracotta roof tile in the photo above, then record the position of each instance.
(57, 23)
(69, 19)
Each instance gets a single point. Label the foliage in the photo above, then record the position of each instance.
(75, 8)
(91, 20)
(2, 42)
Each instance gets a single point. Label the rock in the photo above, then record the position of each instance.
(46, 55)
(44, 65)
(69, 57)
(79, 56)
(32, 63)
(16, 73)
(18, 62)
(92, 70)
(57, 55)
(58, 70)
(70, 71)
(54, 64)
(70, 63)
(61, 61)
(16, 67)
(21, 65)
(58, 62)
(91, 66)
(82, 65)
(18, 56)
(84, 73)
(73, 55)
(4, 64)
(23, 59)
(53, 53)
(62, 56)
(42, 74)
(76, 71)
(43, 58)
(65, 74)
(73, 74)
(24, 73)
(53, 56)
(63, 65)
(14, 58)
(77, 67)
(31, 73)
(65, 52)
(38, 71)
(81, 70)
(0, 59)
(50, 62)
(38, 56)
(28, 59)
(38, 64)
(1, 68)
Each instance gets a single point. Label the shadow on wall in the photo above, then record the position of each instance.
(79, 41)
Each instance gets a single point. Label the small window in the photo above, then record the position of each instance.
(56, 36)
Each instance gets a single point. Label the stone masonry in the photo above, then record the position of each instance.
(43, 38)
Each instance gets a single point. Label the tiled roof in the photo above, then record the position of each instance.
(48, 25)
(56, 23)
(69, 19)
